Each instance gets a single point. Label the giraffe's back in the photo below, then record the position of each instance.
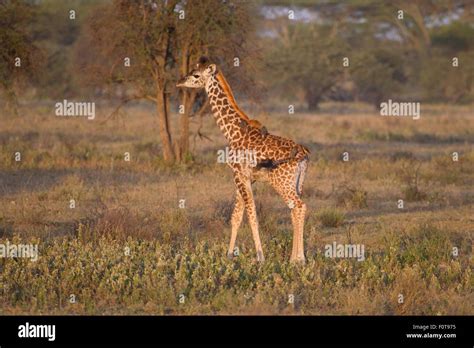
(271, 147)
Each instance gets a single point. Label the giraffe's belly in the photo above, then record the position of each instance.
(260, 174)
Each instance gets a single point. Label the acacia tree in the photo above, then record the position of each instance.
(378, 73)
(420, 26)
(411, 19)
(393, 46)
(223, 30)
(19, 57)
(145, 46)
(308, 56)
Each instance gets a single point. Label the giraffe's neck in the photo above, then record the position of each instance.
(225, 110)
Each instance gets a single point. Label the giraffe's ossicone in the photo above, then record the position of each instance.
(276, 160)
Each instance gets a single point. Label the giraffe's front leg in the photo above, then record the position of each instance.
(245, 189)
(235, 221)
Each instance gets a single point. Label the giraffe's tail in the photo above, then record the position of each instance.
(302, 157)
(300, 175)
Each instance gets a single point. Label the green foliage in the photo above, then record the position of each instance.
(378, 73)
(16, 43)
(409, 175)
(308, 59)
(351, 197)
(455, 37)
(331, 217)
(407, 58)
(441, 81)
(127, 276)
(56, 33)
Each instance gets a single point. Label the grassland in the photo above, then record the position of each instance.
(128, 248)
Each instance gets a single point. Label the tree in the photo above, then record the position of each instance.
(411, 20)
(378, 73)
(452, 59)
(53, 29)
(19, 57)
(309, 56)
(221, 30)
(428, 35)
(146, 46)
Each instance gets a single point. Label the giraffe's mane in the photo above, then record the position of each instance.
(230, 95)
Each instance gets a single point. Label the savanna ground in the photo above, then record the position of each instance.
(177, 256)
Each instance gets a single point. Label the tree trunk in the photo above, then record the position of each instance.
(11, 101)
(164, 129)
(188, 100)
(182, 147)
(312, 99)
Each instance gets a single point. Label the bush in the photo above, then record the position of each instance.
(351, 197)
(331, 217)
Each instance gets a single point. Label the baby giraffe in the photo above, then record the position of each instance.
(276, 160)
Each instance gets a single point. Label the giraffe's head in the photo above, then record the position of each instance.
(199, 76)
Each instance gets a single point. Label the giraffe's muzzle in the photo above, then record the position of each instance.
(181, 82)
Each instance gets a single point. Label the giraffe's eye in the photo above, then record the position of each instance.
(196, 76)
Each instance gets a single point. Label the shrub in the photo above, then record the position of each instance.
(331, 217)
(351, 197)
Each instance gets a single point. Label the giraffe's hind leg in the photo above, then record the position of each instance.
(299, 212)
(235, 221)
(288, 180)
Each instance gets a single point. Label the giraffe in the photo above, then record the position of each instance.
(279, 161)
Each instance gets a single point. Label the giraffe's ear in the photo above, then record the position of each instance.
(211, 69)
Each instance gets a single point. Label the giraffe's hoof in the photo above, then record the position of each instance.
(230, 255)
(260, 257)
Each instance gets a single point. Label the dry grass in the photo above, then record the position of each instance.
(177, 251)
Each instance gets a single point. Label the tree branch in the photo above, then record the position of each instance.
(122, 103)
